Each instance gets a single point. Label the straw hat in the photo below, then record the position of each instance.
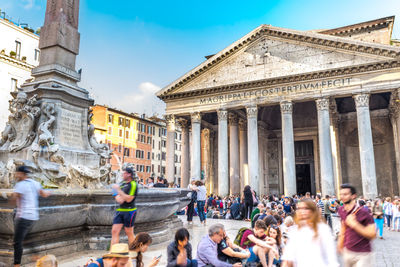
(47, 261)
(119, 250)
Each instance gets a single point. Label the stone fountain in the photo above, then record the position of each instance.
(49, 130)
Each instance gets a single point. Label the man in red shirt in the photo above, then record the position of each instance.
(357, 231)
(258, 244)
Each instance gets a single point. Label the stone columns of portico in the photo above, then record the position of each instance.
(223, 175)
(252, 146)
(325, 152)
(234, 166)
(244, 170)
(289, 165)
(170, 168)
(185, 162)
(335, 118)
(394, 109)
(195, 164)
(367, 160)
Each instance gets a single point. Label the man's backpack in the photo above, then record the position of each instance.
(239, 235)
(221, 204)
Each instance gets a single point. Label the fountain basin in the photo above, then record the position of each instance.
(73, 220)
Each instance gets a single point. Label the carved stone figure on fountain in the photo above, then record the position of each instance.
(20, 128)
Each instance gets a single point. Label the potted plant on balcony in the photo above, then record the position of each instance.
(3, 52)
(13, 54)
(23, 58)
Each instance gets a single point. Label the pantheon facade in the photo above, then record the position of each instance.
(289, 112)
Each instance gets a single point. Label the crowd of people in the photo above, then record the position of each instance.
(285, 231)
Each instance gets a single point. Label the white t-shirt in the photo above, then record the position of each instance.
(202, 193)
(28, 207)
(304, 250)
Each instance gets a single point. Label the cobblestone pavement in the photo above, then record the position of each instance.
(386, 250)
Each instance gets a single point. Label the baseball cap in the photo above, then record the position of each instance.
(131, 171)
(23, 169)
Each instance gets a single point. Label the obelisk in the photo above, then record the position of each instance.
(49, 126)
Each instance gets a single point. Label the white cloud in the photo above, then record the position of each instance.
(143, 100)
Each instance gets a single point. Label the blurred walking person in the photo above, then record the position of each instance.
(201, 201)
(310, 242)
(357, 231)
(193, 199)
(26, 196)
(377, 212)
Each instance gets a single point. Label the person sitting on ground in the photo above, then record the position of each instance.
(259, 209)
(269, 220)
(274, 233)
(259, 247)
(235, 210)
(288, 222)
(47, 261)
(160, 183)
(118, 256)
(137, 248)
(228, 215)
(230, 252)
(209, 214)
(180, 251)
(207, 250)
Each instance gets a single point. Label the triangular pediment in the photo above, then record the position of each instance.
(270, 52)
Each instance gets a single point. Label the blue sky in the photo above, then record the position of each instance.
(130, 49)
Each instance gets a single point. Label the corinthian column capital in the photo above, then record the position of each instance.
(252, 111)
(222, 114)
(196, 117)
(233, 119)
(242, 125)
(169, 119)
(362, 100)
(286, 107)
(183, 123)
(322, 104)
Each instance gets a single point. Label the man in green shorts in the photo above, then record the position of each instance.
(125, 195)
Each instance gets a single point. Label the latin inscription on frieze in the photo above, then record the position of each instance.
(282, 90)
(71, 128)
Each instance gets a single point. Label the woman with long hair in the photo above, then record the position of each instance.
(377, 212)
(274, 233)
(248, 202)
(310, 241)
(138, 247)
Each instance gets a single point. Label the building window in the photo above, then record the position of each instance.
(162, 170)
(110, 130)
(120, 121)
(37, 54)
(148, 169)
(175, 170)
(163, 156)
(119, 147)
(152, 155)
(120, 132)
(127, 134)
(14, 83)
(158, 169)
(149, 140)
(148, 155)
(159, 132)
(153, 130)
(18, 49)
(126, 152)
(128, 123)
(152, 167)
(153, 143)
(110, 118)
